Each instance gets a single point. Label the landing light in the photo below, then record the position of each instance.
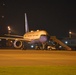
(66, 42)
(32, 46)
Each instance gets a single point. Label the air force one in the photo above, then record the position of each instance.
(39, 36)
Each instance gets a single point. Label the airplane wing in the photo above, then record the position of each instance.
(10, 38)
(13, 35)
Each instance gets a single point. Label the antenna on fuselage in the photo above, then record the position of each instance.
(26, 24)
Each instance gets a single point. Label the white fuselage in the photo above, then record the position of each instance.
(34, 35)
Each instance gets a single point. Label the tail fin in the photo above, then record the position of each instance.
(26, 24)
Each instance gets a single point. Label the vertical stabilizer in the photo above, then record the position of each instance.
(26, 24)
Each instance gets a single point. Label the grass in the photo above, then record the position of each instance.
(38, 70)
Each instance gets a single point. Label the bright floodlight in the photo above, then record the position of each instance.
(9, 28)
(66, 42)
(70, 32)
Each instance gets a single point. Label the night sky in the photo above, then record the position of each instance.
(57, 18)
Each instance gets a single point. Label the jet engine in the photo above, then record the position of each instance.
(18, 44)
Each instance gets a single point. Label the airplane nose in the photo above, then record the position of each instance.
(43, 38)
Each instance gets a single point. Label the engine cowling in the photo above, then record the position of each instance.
(18, 44)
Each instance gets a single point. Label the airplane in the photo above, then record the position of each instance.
(39, 36)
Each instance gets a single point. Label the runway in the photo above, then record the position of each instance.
(12, 57)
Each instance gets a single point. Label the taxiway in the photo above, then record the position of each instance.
(12, 57)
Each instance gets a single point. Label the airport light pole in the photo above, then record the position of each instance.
(70, 34)
(9, 29)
